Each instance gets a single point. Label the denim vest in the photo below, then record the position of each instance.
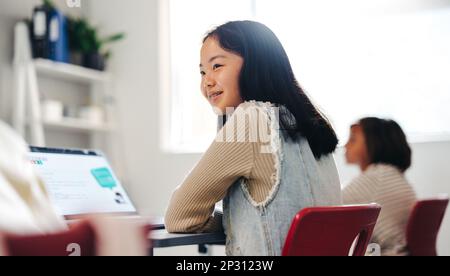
(260, 229)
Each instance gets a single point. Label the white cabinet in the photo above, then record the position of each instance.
(86, 93)
(100, 95)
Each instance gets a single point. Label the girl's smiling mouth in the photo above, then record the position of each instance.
(213, 97)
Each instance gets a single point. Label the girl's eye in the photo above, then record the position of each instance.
(216, 66)
(202, 73)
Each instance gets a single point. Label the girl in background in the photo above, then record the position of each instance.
(379, 147)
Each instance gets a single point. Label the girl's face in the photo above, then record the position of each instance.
(356, 148)
(220, 72)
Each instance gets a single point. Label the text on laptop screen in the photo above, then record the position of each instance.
(81, 184)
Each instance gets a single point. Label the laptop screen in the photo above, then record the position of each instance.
(80, 182)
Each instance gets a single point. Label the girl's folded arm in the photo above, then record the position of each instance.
(192, 204)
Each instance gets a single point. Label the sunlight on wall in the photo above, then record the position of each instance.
(355, 59)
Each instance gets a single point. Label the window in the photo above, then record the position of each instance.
(192, 121)
(353, 58)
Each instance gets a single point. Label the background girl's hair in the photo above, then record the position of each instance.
(267, 76)
(386, 143)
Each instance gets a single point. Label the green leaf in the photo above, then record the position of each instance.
(83, 37)
(113, 38)
(48, 3)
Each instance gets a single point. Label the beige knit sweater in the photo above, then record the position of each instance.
(192, 204)
(387, 186)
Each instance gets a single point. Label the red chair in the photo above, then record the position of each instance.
(79, 240)
(331, 231)
(423, 226)
(96, 236)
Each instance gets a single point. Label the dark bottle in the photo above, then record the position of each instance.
(39, 31)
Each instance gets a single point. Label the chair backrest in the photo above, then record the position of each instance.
(79, 240)
(331, 231)
(424, 224)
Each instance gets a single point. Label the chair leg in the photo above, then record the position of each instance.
(203, 249)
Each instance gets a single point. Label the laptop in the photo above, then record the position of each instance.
(81, 182)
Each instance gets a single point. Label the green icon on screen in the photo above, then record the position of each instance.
(104, 178)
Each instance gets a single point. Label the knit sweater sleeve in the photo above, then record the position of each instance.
(230, 157)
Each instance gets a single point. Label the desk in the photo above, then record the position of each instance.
(157, 223)
(161, 238)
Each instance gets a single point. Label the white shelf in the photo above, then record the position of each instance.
(69, 72)
(73, 124)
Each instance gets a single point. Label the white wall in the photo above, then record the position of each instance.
(153, 174)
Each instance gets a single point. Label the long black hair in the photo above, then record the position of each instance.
(267, 76)
(386, 143)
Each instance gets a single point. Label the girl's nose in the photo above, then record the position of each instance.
(209, 82)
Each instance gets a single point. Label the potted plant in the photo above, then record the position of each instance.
(85, 41)
(48, 4)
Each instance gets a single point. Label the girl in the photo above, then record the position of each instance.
(380, 149)
(24, 205)
(271, 159)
